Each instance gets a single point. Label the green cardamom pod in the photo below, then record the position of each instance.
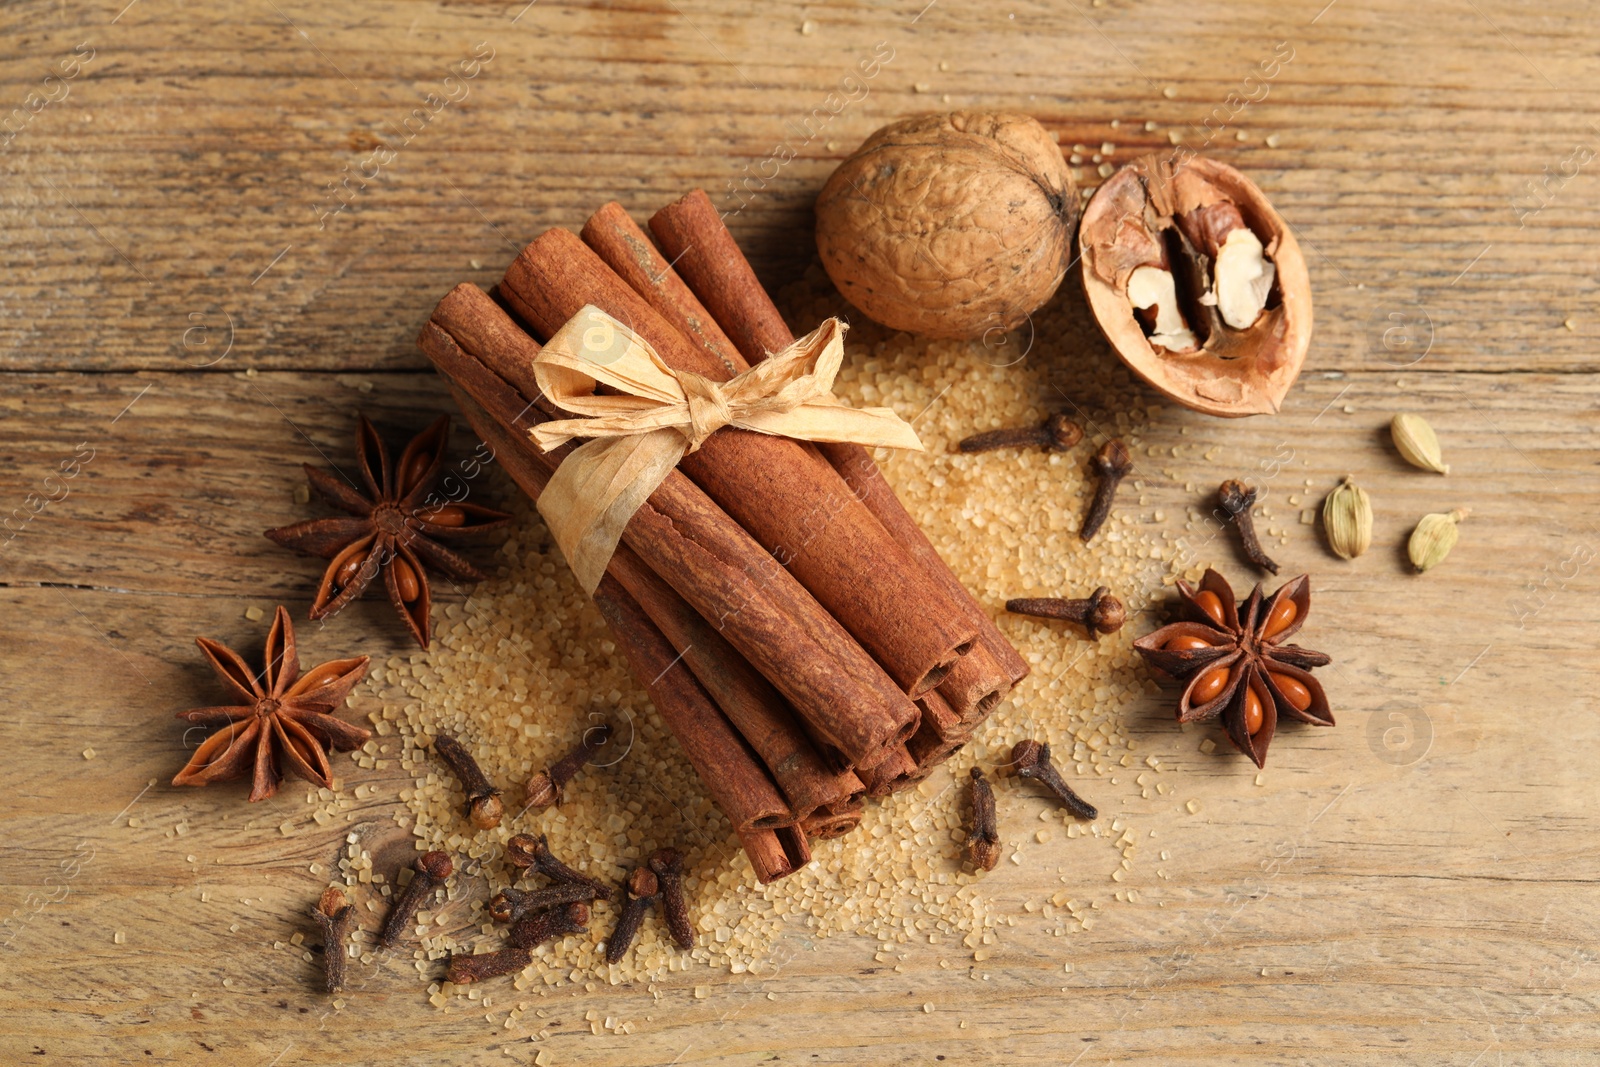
(1347, 520)
(1418, 444)
(1434, 537)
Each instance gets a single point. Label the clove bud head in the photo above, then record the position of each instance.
(1027, 757)
(666, 862)
(1106, 612)
(643, 883)
(1061, 433)
(983, 844)
(435, 865)
(542, 791)
(485, 813)
(1235, 497)
(521, 850)
(502, 906)
(1031, 759)
(983, 853)
(333, 902)
(1113, 460)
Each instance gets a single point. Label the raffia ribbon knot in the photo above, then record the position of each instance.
(709, 410)
(659, 415)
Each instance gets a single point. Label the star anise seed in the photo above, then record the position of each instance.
(283, 720)
(1233, 662)
(395, 530)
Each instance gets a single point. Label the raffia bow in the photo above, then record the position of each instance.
(662, 414)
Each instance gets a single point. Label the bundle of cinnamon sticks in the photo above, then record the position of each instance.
(794, 627)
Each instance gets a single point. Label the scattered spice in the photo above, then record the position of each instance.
(533, 853)
(1056, 434)
(544, 788)
(1417, 443)
(667, 865)
(282, 721)
(1347, 520)
(395, 529)
(1237, 499)
(464, 970)
(1100, 613)
(430, 869)
(1031, 759)
(535, 918)
(537, 929)
(1112, 463)
(334, 916)
(983, 843)
(1434, 537)
(1233, 662)
(483, 809)
(512, 905)
(639, 893)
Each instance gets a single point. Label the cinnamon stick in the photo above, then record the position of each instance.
(749, 701)
(941, 734)
(704, 254)
(826, 823)
(772, 486)
(732, 774)
(706, 557)
(891, 775)
(978, 681)
(618, 240)
(777, 853)
(976, 685)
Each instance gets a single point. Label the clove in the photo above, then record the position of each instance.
(484, 809)
(1237, 499)
(430, 869)
(334, 916)
(544, 788)
(1113, 464)
(466, 969)
(667, 865)
(1056, 434)
(537, 929)
(1031, 759)
(983, 844)
(533, 854)
(512, 905)
(639, 892)
(1101, 613)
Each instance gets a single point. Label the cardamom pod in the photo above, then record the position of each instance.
(1434, 537)
(1347, 520)
(1418, 444)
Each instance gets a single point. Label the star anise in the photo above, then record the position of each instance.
(395, 529)
(1234, 663)
(282, 722)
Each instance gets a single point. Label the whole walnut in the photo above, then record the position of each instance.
(950, 225)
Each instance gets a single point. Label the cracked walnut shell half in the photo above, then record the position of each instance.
(1233, 663)
(1198, 283)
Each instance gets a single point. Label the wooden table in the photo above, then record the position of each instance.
(184, 319)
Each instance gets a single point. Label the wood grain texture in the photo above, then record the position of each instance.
(1417, 885)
